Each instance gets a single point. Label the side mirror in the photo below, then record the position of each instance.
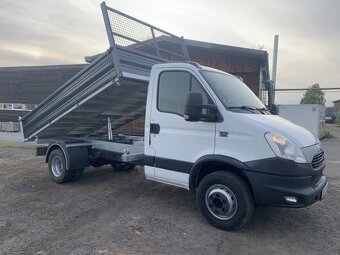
(193, 106)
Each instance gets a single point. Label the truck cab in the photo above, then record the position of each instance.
(207, 132)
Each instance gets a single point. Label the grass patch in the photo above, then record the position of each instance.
(9, 145)
(327, 135)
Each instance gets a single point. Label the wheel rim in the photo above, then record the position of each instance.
(57, 167)
(221, 202)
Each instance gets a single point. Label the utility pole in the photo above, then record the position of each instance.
(275, 53)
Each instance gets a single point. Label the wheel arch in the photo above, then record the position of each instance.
(57, 145)
(76, 155)
(212, 163)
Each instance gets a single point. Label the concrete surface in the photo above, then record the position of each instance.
(10, 137)
(109, 212)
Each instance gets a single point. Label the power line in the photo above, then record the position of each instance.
(303, 89)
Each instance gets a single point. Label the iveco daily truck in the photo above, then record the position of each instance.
(205, 131)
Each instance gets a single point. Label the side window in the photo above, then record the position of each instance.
(173, 88)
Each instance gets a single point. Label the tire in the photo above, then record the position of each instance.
(77, 174)
(122, 166)
(57, 167)
(225, 200)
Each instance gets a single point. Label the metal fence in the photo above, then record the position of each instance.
(9, 126)
(137, 36)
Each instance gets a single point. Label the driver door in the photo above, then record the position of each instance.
(177, 143)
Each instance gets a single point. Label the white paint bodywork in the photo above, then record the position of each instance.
(188, 141)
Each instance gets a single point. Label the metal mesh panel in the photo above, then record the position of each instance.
(166, 42)
(137, 36)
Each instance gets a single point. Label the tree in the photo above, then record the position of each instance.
(313, 95)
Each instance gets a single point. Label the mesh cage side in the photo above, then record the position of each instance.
(139, 37)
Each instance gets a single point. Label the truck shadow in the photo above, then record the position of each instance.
(104, 174)
(266, 221)
(280, 222)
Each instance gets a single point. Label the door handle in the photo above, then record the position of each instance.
(154, 128)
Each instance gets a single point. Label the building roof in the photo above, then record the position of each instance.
(336, 101)
(32, 84)
(228, 49)
(45, 67)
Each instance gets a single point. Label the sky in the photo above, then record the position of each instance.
(49, 32)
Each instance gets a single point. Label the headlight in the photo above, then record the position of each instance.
(285, 148)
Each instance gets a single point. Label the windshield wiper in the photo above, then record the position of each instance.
(263, 110)
(249, 108)
(243, 107)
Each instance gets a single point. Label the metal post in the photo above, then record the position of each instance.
(107, 24)
(155, 42)
(269, 85)
(275, 53)
(109, 129)
(110, 37)
(185, 50)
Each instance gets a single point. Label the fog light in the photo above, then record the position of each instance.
(291, 199)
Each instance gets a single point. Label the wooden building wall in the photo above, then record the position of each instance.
(31, 85)
(244, 66)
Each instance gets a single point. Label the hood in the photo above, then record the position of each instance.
(278, 125)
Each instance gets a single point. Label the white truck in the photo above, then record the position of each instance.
(205, 130)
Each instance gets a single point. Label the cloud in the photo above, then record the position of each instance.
(59, 35)
(57, 32)
(87, 6)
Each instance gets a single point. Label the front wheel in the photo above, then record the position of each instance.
(225, 200)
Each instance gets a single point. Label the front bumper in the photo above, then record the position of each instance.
(272, 189)
(300, 181)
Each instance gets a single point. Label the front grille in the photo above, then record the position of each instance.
(318, 160)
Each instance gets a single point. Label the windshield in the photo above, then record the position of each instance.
(232, 92)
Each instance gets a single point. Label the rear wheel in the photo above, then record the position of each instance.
(225, 200)
(57, 167)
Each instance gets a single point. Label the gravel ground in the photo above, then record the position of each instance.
(109, 212)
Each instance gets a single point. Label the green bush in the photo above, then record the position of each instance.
(337, 122)
(327, 135)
